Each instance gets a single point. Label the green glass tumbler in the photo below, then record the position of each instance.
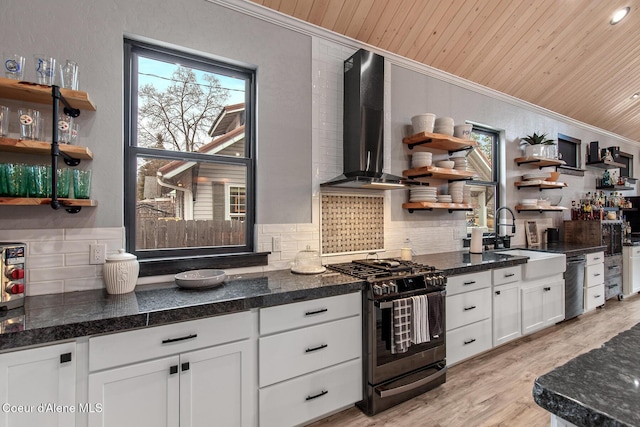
(40, 182)
(18, 179)
(64, 182)
(4, 184)
(81, 184)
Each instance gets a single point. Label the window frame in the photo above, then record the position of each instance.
(169, 256)
(497, 169)
(227, 200)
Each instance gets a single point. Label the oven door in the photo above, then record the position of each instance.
(383, 365)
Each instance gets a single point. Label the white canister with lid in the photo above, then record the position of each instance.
(121, 272)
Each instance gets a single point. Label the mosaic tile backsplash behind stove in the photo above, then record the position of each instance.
(352, 223)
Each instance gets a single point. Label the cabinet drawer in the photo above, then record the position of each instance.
(302, 399)
(306, 313)
(468, 282)
(122, 348)
(633, 251)
(612, 286)
(467, 308)
(593, 275)
(594, 297)
(595, 258)
(613, 265)
(507, 275)
(468, 341)
(298, 352)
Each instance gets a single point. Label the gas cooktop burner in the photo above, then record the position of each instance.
(381, 268)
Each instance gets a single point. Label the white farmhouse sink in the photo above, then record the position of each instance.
(539, 264)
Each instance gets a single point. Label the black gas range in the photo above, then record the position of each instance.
(391, 376)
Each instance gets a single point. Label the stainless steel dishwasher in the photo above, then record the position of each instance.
(574, 287)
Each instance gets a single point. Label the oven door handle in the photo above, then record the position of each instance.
(389, 304)
(413, 385)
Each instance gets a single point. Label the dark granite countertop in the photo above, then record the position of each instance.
(56, 317)
(598, 388)
(71, 315)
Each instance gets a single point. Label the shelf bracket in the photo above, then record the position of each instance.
(452, 210)
(416, 144)
(73, 209)
(461, 149)
(412, 210)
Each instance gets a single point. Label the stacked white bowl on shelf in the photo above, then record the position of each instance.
(466, 194)
(444, 198)
(443, 125)
(445, 164)
(421, 159)
(462, 131)
(456, 190)
(423, 123)
(423, 194)
(459, 163)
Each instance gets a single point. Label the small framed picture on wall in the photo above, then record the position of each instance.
(531, 231)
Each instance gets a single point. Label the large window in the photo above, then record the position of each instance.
(189, 154)
(485, 160)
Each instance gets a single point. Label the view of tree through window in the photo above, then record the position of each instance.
(189, 154)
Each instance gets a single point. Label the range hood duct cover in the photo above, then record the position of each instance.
(363, 125)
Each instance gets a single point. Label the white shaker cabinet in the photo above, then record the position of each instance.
(183, 374)
(310, 359)
(468, 315)
(40, 376)
(594, 291)
(506, 304)
(631, 270)
(542, 303)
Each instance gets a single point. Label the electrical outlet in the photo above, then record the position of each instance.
(97, 254)
(276, 244)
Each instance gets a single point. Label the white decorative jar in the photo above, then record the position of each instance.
(121, 272)
(537, 150)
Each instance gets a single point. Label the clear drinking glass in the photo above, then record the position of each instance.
(65, 127)
(69, 75)
(13, 66)
(45, 69)
(4, 120)
(30, 123)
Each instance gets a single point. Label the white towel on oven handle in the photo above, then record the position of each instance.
(420, 319)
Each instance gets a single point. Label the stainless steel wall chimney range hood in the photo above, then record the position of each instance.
(363, 125)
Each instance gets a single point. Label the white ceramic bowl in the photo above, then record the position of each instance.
(462, 131)
(444, 121)
(423, 122)
(196, 279)
(447, 164)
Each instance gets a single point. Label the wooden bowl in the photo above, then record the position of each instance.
(554, 177)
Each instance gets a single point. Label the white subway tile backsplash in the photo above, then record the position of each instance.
(45, 261)
(44, 288)
(62, 273)
(105, 233)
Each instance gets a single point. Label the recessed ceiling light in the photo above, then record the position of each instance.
(635, 95)
(619, 15)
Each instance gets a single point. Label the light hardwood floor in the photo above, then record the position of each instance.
(494, 389)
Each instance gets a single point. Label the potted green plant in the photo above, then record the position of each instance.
(538, 145)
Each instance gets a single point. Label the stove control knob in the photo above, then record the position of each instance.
(393, 287)
(385, 288)
(14, 273)
(377, 290)
(15, 288)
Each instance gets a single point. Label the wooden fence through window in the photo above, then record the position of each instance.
(153, 233)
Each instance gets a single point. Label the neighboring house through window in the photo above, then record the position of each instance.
(189, 154)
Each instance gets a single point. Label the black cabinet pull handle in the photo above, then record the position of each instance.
(311, 313)
(469, 308)
(66, 357)
(320, 347)
(596, 296)
(469, 283)
(185, 366)
(596, 274)
(470, 341)
(322, 393)
(510, 275)
(173, 369)
(497, 292)
(611, 267)
(188, 337)
(596, 258)
(547, 289)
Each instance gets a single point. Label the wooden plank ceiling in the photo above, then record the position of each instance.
(562, 55)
